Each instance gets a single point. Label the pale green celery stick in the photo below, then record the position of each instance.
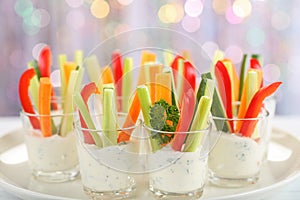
(168, 58)
(93, 68)
(34, 90)
(127, 83)
(109, 121)
(145, 101)
(79, 79)
(252, 86)
(78, 57)
(62, 58)
(242, 76)
(67, 121)
(219, 55)
(87, 118)
(199, 123)
(180, 78)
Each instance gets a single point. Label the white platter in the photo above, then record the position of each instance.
(282, 167)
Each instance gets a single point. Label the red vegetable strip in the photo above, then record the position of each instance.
(45, 106)
(186, 117)
(86, 92)
(45, 62)
(254, 64)
(224, 85)
(190, 75)
(24, 96)
(117, 68)
(174, 67)
(131, 119)
(255, 106)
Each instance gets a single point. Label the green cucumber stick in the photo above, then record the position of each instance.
(67, 121)
(180, 78)
(253, 85)
(34, 88)
(93, 68)
(217, 109)
(62, 58)
(145, 101)
(109, 118)
(78, 57)
(87, 118)
(242, 76)
(127, 83)
(199, 123)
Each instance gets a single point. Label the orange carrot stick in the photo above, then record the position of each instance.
(163, 87)
(147, 56)
(68, 67)
(107, 75)
(44, 106)
(131, 119)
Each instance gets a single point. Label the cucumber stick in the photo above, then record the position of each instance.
(199, 123)
(217, 108)
(145, 101)
(109, 119)
(87, 118)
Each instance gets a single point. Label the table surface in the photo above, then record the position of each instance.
(290, 191)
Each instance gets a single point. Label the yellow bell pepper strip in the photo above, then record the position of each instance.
(235, 82)
(255, 106)
(24, 84)
(86, 92)
(174, 67)
(45, 106)
(185, 119)
(224, 85)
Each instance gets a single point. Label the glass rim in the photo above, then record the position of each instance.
(77, 124)
(179, 132)
(264, 111)
(22, 112)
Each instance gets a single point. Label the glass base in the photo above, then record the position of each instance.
(231, 182)
(103, 195)
(160, 194)
(57, 176)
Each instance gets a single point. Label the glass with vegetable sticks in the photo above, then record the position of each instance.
(238, 155)
(52, 154)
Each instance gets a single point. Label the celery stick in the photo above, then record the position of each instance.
(199, 123)
(93, 68)
(79, 79)
(127, 83)
(87, 118)
(67, 121)
(145, 101)
(180, 78)
(253, 85)
(62, 58)
(168, 58)
(109, 121)
(34, 89)
(242, 76)
(78, 57)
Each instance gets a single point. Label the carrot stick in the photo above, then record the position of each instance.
(163, 87)
(44, 106)
(151, 70)
(107, 75)
(131, 119)
(147, 56)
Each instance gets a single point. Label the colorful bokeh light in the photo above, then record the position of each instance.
(193, 8)
(100, 9)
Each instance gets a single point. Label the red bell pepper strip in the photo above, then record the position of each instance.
(255, 106)
(86, 92)
(186, 117)
(45, 62)
(254, 64)
(190, 75)
(118, 73)
(24, 96)
(131, 119)
(224, 85)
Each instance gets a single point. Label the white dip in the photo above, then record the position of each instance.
(236, 157)
(97, 176)
(50, 154)
(185, 171)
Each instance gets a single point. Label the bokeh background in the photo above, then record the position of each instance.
(267, 27)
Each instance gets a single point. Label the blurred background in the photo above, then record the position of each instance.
(266, 27)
